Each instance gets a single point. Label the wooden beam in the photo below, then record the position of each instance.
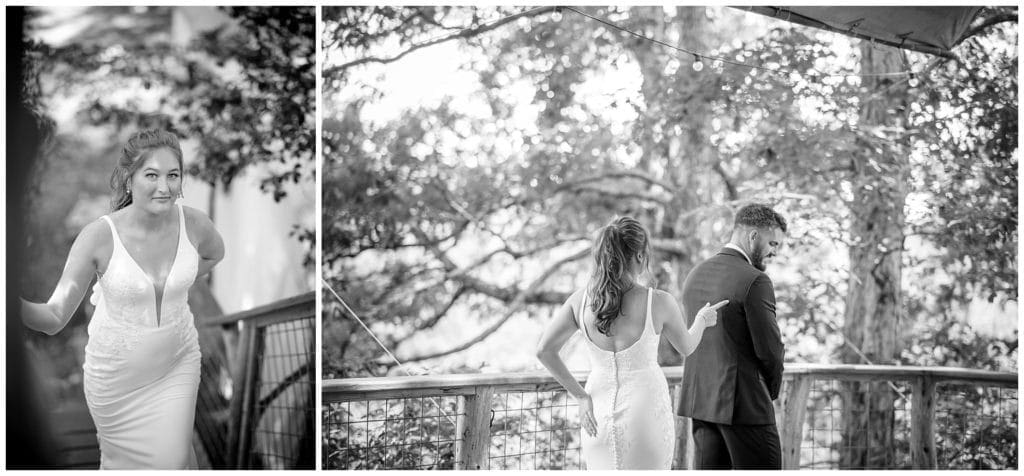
(793, 412)
(474, 430)
(922, 424)
(354, 389)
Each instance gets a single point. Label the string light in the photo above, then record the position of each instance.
(717, 64)
(698, 65)
(814, 75)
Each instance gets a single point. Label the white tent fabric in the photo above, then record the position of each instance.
(934, 30)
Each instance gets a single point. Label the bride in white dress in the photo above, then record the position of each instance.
(141, 371)
(626, 413)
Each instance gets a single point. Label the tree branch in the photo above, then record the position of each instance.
(517, 303)
(730, 188)
(650, 179)
(432, 320)
(617, 194)
(467, 33)
(477, 285)
(516, 254)
(992, 20)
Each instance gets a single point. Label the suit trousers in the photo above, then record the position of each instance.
(718, 446)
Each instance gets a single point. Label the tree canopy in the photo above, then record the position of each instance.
(466, 210)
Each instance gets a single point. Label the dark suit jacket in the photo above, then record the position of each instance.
(736, 371)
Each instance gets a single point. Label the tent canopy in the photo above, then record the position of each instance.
(933, 30)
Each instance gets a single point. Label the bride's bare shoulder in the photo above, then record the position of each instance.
(96, 233)
(575, 300)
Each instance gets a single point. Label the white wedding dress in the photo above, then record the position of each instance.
(142, 361)
(635, 423)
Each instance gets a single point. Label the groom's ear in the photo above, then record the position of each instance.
(752, 235)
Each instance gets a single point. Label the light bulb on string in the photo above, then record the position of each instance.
(698, 65)
(913, 82)
(557, 14)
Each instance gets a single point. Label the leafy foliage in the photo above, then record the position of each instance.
(455, 197)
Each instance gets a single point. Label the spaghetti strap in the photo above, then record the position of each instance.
(113, 230)
(579, 318)
(647, 319)
(181, 217)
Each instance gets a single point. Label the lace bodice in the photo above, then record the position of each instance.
(126, 297)
(641, 355)
(636, 429)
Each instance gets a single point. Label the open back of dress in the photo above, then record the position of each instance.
(635, 424)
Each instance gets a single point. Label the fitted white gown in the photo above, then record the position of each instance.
(635, 424)
(142, 367)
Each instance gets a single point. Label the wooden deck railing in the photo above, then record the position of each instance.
(270, 358)
(467, 421)
(239, 388)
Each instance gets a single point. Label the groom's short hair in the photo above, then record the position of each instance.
(757, 215)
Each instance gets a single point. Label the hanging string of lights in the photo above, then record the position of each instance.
(698, 63)
(698, 57)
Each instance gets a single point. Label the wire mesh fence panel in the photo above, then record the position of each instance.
(281, 432)
(399, 433)
(857, 425)
(976, 427)
(854, 417)
(534, 430)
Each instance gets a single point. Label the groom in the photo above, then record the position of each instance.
(729, 382)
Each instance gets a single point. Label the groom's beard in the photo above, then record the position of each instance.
(757, 259)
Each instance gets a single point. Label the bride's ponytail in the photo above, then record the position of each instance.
(616, 245)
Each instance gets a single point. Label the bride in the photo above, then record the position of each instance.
(141, 371)
(625, 408)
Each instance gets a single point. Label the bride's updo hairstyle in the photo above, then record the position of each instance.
(617, 244)
(138, 148)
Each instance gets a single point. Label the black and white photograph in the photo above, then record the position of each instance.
(161, 192)
(669, 237)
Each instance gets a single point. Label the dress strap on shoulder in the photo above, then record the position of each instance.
(579, 316)
(181, 216)
(650, 298)
(113, 229)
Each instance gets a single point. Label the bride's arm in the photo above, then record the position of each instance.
(558, 332)
(210, 245)
(50, 317)
(684, 340)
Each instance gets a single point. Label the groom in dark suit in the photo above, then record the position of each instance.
(730, 380)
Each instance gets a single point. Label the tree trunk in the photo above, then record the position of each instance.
(873, 311)
(678, 152)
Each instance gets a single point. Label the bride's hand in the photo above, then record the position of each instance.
(587, 419)
(710, 313)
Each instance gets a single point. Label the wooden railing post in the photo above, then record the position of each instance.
(474, 430)
(922, 423)
(794, 410)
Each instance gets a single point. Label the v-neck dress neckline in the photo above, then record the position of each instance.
(158, 297)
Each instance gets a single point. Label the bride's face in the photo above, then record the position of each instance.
(157, 182)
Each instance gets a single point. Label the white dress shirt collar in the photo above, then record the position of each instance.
(737, 248)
